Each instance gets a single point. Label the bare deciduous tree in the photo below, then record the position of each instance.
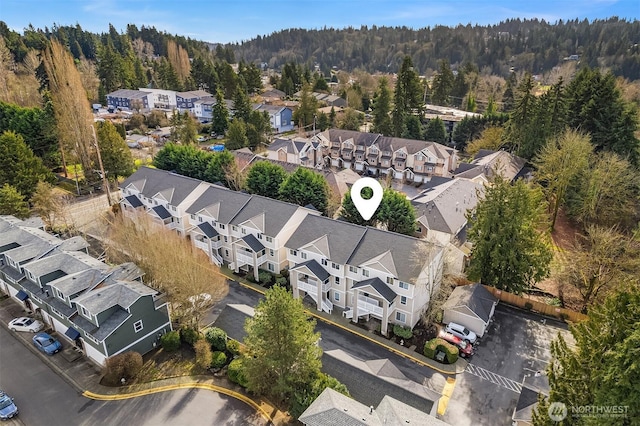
(171, 263)
(179, 60)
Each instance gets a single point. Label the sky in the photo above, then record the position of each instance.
(224, 21)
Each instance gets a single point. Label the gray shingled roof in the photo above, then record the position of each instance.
(409, 254)
(359, 138)
(253, 243)
(279, 143)
(288, 167)
(342, 237)
(232, 319)
(331, 408)
(392, 412)
(56, 261)
(369, 386)
(128, 94)
(379, 286)
(121, 294)
(475, 297)
(315, 268)
(75, 283)
(209, 231)
(275, 213)
(150, 182)
(231, 202)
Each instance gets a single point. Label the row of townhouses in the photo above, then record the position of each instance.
(197, 102)
(370, 153)
(103, 310)
(359, 271)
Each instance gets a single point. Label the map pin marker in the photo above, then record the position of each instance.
(366, 208)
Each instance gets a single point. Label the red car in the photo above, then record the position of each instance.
(465, 348)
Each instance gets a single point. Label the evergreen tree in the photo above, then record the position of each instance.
(265, 178)
(508, 97)
(435, 131)
(442, 84)
(521, 130)
(350, 213)
(19, 167)
(382, 108)
(351, 120)
(459, 89)
(412, 128)
(219, 114)
(396, 213)
(241, 105)
(407, 100)
(323, 122)
(219, 167)
(304, 187)
(237, 135)
(12, 202)
(282, 346)
(116, 156)
(510, 247)
(307, 109)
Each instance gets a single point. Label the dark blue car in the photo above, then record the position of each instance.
(7, 408)
(46, 343)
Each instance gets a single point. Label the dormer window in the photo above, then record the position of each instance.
(59, 294)
(84, 312)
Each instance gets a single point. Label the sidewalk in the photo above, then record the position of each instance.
(84, 376)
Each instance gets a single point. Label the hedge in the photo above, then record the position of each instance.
(233, 347)
(434, 345)
(217, 338)
(404, 332)
(218, 359)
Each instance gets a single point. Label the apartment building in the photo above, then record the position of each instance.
(299, 151)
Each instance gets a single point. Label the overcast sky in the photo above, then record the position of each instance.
(236, 20)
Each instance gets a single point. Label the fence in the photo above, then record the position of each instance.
(534, 305)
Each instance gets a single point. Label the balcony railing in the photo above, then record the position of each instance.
(369, 305)
(244, 259)
(311, 286)
(201, 245)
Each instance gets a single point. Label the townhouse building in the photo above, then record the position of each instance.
(102, 310)
(364, 272)
(377, 155)
(185, 101)
(130, 100)
(162, 99)
(300, 151)
(280, 117)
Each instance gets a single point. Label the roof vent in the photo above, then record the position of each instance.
(371, 409)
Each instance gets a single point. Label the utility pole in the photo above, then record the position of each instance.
(104, 175)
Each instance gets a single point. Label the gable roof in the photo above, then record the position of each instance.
(315, 269)
(275, 214)
(208, 230)
(134, 201)
(232, 319)
(162, 212)
(173, 187)
(369, 381)
(359, 138)
(253, 243)
(486, 161)
(230, 202)
(475, 297)
(332, 408)
(121, 294)
(379, 286)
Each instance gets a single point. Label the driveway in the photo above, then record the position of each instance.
(517, 344)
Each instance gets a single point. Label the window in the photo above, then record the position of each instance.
(244, 231)
(234, 228)
(303, 255)
(418, 168)
(336, 296)
(419, 158)
(85, 312)
(401, 317)
(269, 239)
(325, 262)
(337, 280)
(137, 326)
(293, 252)
(335, 265)
(226, 252)
(56, 312)
(365, 273)
(59, 294)
(390, 280)
(90, 337)
(403, 300)
(353, 269)
(199, 218)
(221, 225)
(226, 240)
(271, 267)
(403, 285)
(259, 236)
(193, 217)
(271, 252)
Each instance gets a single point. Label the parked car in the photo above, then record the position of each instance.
(7, 408)
(462, 332)
(46, 343)
(25, 324)
(465, 349)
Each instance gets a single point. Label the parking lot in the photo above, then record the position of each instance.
(516, 344)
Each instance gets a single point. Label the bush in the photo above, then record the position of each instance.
(203, 353)
(235, 372)
(265, 278)
(189, 335)
(403, 332)
(218, 359)
(217, 338)
(528, 306)
(554, 301)
(433, 346)
(304, 397)
(233, 347)
(126, 365)
(170, 341)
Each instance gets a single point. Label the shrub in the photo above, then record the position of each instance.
(554, 301)
(170, 341)
(265, 278)
(235, 372)
(217, 338)
(233, 347)
(125, 365)
(304, 397)
(218, 359)
(189, 335)
(528, 306)
(203, 353)
(403, 332)
(433, 346)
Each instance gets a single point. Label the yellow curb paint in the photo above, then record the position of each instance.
(447, 391)
(207, 386)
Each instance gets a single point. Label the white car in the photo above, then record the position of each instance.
(462, 332)
(25, 324)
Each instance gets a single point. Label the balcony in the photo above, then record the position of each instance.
(247, 259)
(201, 245)
(367, 305)
(310, 286)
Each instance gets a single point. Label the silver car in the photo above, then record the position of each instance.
(25, 324)
(462, 332)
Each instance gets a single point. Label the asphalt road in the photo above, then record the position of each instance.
(43, 398)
